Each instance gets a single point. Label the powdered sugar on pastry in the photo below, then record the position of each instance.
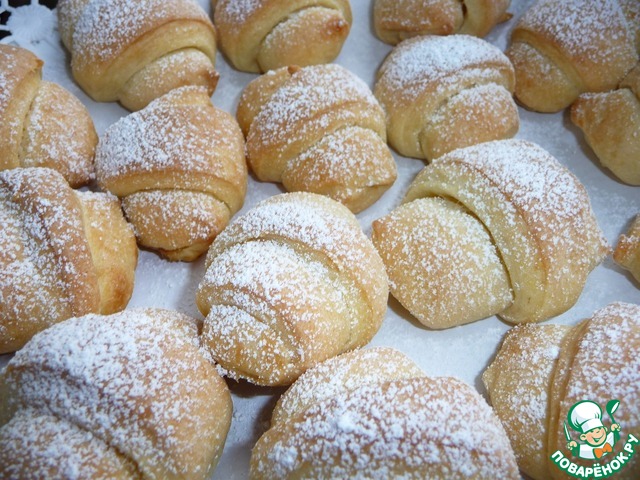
(135, 380)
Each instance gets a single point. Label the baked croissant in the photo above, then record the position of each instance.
(289, 284)
(562, 48)
(375, 414)
(62, 254)
(397, 20)
(498, 228)
(542, 371)
(611, 122)
(179, 167)
(124, 396)
(134, 52)
(261, 35)
(627, 252)
(43, 125)
(432, 88)
(317, 129)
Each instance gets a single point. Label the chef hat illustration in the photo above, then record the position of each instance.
(585, 415)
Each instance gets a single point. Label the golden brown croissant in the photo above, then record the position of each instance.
(261, 35)
(562, 48)
(627, 252)
(124, 396)
(62, 253)
(432, 88)
(317, 129)
(611, 122)
(43, 125)
(134, 52)
(498, 228)
(542, 371)
(375, 414)
(289, 284)
(179, 167)
(397, 20)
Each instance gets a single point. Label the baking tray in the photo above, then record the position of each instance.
(463, 351)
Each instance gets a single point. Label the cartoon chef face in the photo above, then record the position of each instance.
(595, 437)
(586, 418)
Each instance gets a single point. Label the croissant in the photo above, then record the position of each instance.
(179, 167)
(134, 52)
(375, 414)
(261, 35)
(397, 20)
(123, 396)
(291, 283)
(498, 228)
(62, 253)
(43, 125)
(562, 48)
(627, 252)
(611, 122)
(317, 129)
(432, 88)
(542, 371)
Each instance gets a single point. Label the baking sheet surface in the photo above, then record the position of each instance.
(464, 351)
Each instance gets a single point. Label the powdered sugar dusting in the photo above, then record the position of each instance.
(344, 373)
(314, 98)
(136, 380)
(610, 329)
(107, 27)
(590, 32)
(419, 62)
(339, 285)
(47, 267)
(237, 11)
(392, 429)
(312, 221)
(442, 264)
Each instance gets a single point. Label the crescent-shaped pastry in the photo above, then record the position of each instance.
(542, 371)
(262, 35)
(124, 396)
(375, 414)
(433, 88)
(610, 122)
(317, 129)
(289, 284)
(397, 20)
(42, 124)
(179, 168)
(562, 48)
(63, 253)
(627, 252)
(498, 228)
(134, 52)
